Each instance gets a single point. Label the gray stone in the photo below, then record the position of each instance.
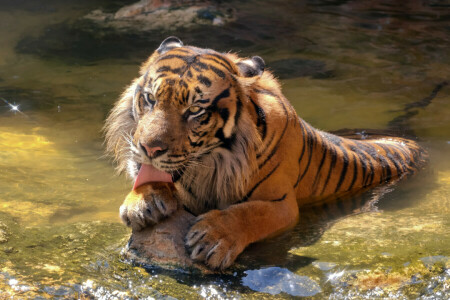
(275, 280)
(324, 266)
(147, 15)
(163, 244)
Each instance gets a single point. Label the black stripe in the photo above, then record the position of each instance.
(206, 120)
(355, 172)
(334, 139)
(372, 173)
(275, 148)
(386, 169)
(332, 165)
(302, 127)
(171, 162)
(279, 199)
(224, 114)
(177, 71)
(194, 144)
(405, 160)
(188, 210)
(176, 155)
(311, 142)
(198, 91)
(249, 194)
(358, 154)
(221, 59)
(303, 150)
(183, 84)
(204, 80)
(188, 189)
(219, 73)
(169, 81)
(261, 120)
(297, 182)
(202, 101)
(199, 134)
(202, 66)
(159, 76)
(366, 157)
(226, 67)
(363, 166)
(186, 98)
(391, 158)
(225, 93)
(370, 155)
(324, 155)
(159, 92)
(344, 169)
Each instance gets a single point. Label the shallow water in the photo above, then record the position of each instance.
(355, 66)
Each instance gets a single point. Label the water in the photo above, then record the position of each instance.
(343, 65)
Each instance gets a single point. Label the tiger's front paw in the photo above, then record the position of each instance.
(214, 242)
(148, 204)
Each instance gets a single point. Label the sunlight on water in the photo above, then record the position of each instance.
(355, 66)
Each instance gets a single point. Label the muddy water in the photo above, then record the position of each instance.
(342, 65)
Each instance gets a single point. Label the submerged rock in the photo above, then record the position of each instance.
(429, 261)
(275, 280)
(163, 244)
(148, 15)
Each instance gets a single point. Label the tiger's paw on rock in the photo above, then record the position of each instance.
(148, 204)
(211, 241)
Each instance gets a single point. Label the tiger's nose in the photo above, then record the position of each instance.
(154, 149)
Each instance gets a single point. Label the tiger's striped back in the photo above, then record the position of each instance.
(333, 165)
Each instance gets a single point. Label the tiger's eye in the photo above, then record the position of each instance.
(194, 109)
(149, 99)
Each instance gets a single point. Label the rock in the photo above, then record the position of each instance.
(163, 244)
(275, 280)
(147, 15)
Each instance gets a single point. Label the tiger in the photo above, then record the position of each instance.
(212, 133)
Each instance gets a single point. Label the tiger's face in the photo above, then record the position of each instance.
(186, 103)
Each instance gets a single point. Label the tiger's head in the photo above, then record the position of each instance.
(187, 114)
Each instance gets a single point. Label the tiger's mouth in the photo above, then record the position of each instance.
(148, 173)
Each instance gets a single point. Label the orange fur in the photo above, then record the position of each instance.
(247, 162)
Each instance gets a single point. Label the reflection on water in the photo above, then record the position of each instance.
(348, 64)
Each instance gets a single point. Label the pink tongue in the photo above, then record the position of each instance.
(148, 173)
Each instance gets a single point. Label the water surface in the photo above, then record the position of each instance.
(342, 64)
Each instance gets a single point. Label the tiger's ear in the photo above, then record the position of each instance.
(252, 67)
(169, 43)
